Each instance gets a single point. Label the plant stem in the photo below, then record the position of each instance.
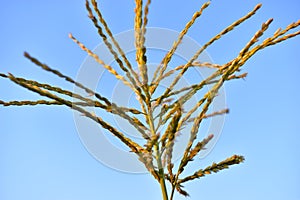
(157, 152)
(172, 193)
(162, 181)
(161, 176)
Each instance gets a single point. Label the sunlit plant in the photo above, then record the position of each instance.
(166, 109)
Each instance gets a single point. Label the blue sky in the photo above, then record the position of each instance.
(42, 157)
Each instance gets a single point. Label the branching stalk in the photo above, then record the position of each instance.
(160, 118)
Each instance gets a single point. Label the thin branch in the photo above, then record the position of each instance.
(29, 103)
(194, 64)
(140, 97)
(103, 36)
(158, 74)
(140, 42)
(132, 145)
(226, 71)
(215, 167)
(88, 102)
(196, 55)
(67, 78)
(61, 91)
(101, 62)
(107, 29)
(108, 44)
(42, 102)
(199, 146)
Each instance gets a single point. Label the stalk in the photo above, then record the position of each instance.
(162, 181)
(161, 172)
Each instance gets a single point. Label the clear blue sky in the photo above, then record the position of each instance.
(42, 157)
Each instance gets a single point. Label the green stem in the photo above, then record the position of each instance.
(162, 181)
(163, 189)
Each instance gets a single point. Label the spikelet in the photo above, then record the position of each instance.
(215, 167)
